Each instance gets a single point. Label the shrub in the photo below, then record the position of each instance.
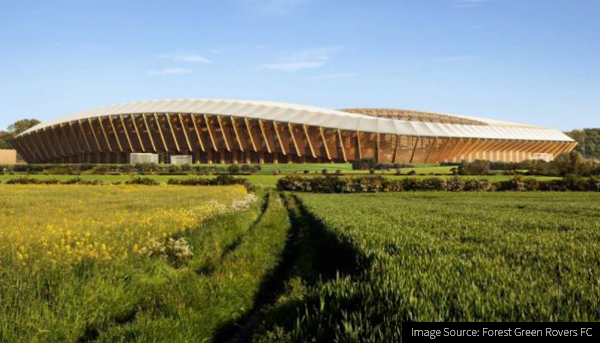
(142, 181)
(482, 185)
(80, 181)
(517, 183)
(433, 184)
(477, 167)
(100, 170)
(147, 167)
(455, 184)
(364, 164)
(233, 169)
(412, 172)
(32, 181)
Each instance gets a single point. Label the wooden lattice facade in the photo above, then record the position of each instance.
(216, 138)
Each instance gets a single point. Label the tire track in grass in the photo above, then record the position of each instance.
(272, 234)
(307, 256)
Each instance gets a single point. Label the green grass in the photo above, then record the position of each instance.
(444, 257)
(137, 298)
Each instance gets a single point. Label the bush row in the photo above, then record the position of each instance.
(371, 184)
(101, 169)
(221, 180)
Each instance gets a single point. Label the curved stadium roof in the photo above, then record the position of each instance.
(396, 122)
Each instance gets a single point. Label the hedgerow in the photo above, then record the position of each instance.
(373, 184)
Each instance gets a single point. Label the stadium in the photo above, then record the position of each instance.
(236, 131)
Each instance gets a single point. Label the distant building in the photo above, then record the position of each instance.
(8, 156)
(230, 131)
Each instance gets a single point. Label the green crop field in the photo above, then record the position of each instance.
(441, 257)
(124, 263)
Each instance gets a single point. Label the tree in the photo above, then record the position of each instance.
(589, 142)
(14, 129)
(571, 163)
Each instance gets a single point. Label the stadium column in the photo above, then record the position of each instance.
(137, 131)
(460, 150)
(238, 140)
(458, 142)
(55, 155)
(162, 136)
(477, 144)
(64, 147)
(126, 133)
(24, 149)
(341, 142)
(294, 141)
(264, 137)
(98, 151)
(225, 140)
(168, 118)
(108, 158)
(414, 150)
(37, 135)
(557, 148)
(185, 128)
(502, 149)
(250, 135)
(212, 140)
(200, 142)
(358, 145)
(20, 151)
(431, 148)
(121, 152)
(54, 135)
(80, 150)
(485, 149)
(31, 150)
(280, 141)
(308, 140)
(87, 155)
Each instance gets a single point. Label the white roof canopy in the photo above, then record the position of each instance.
(314, 116)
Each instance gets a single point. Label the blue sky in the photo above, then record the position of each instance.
(533, 61)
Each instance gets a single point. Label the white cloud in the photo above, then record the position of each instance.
(274, 7)
(321, 54)
(303, 59)
(460, 58)
(331, 76)
(188, 58)
(170, 71)
(293, 66)
(191, 58)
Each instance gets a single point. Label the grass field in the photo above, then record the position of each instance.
(442, 257)
(213, 264)
(132, 263)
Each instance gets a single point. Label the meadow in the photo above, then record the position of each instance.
(132, 263)
(440, 256)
